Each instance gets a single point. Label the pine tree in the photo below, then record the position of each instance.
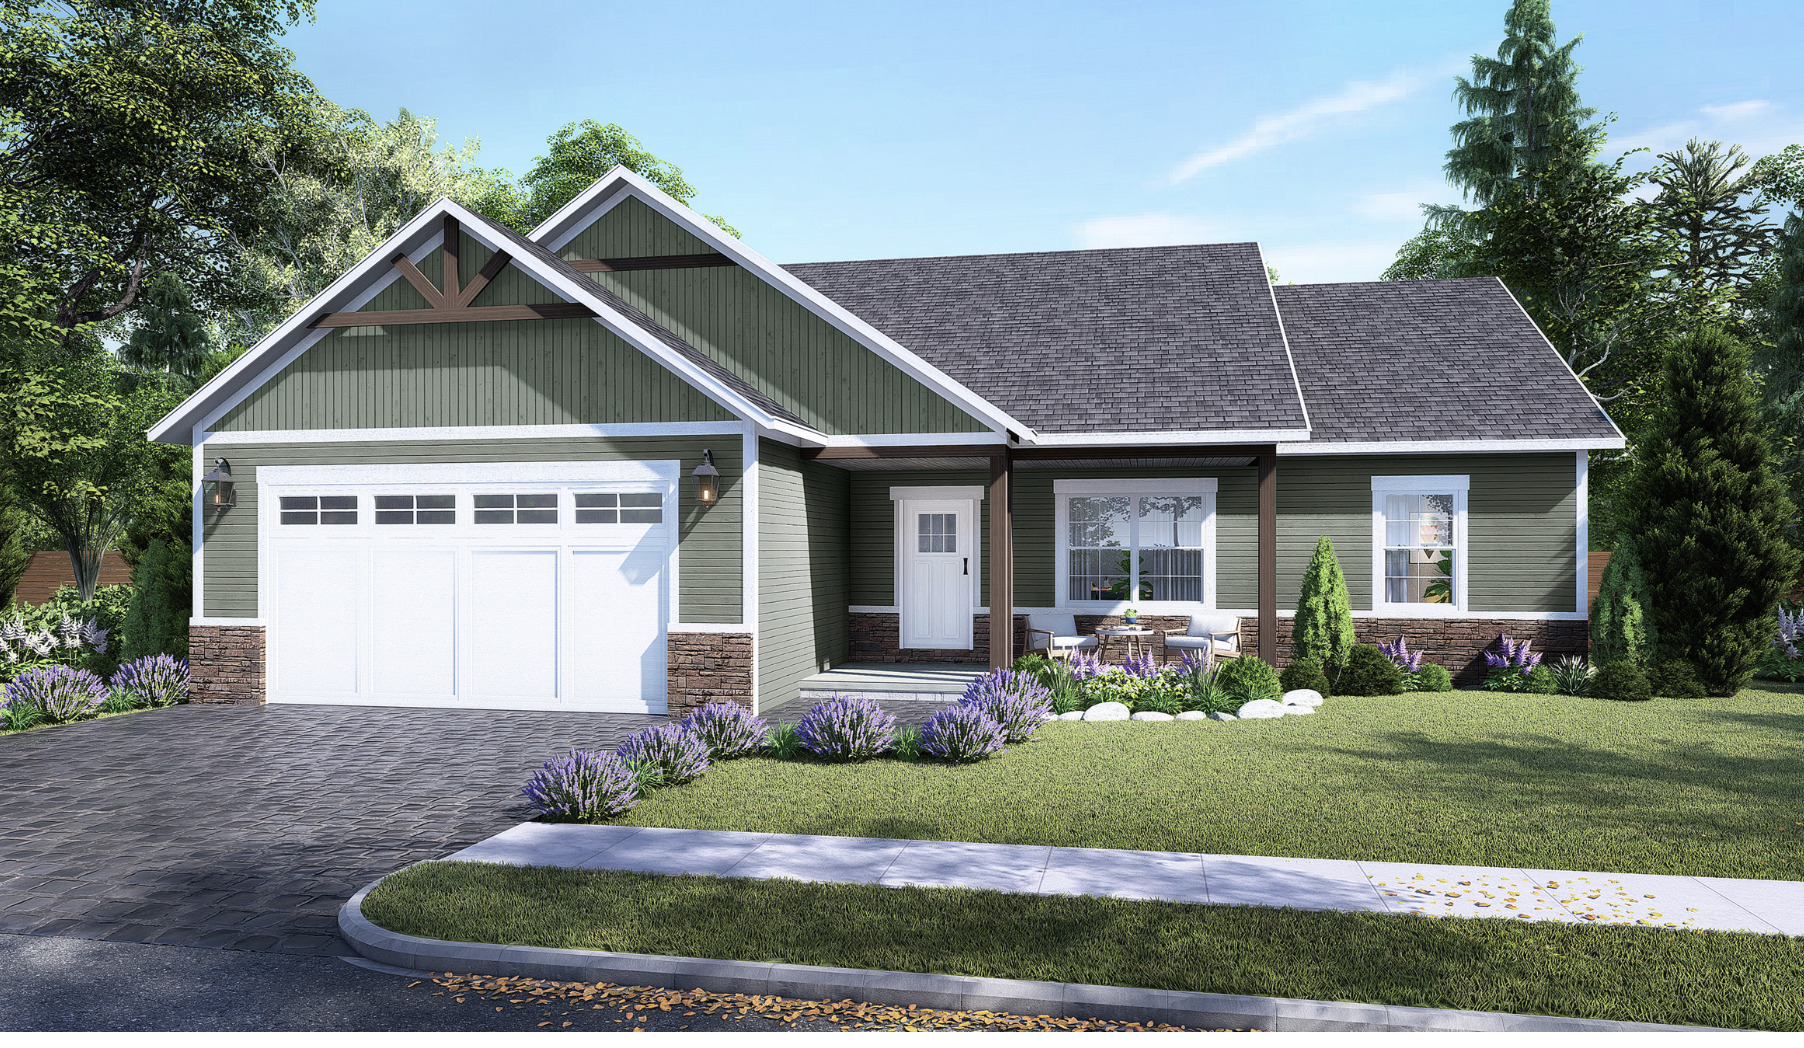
(171, 335)
(1709, 201)
(1522, 106)
(1323, 628)
(1711, 514)
(1620, 625)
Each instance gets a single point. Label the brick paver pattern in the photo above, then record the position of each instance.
(247, 827)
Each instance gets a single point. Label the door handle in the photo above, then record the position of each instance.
(967, 565)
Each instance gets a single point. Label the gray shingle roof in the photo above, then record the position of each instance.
(1156, 338)
(1430, 360)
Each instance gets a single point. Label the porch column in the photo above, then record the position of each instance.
(1002, 561)
(1268, 554)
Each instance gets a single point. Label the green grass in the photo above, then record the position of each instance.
(1708, 786)
(1639, 974)
(41, 725)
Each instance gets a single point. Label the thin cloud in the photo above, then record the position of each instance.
(1312, 116)
(1755, 124)
(1146, 231)
(1737, 110)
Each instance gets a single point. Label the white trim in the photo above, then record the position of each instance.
(726, 428)
(1444, 447)
(552, 229)
(197, 537)
(708, 627)
(944, 493)
(1283, 335)
(1458, 487)
(201, 620)
(1584, 532)
(748, 546)
(873, 609)
(1116, 438)
(891, 440)
(666, 471)
(1063, 490)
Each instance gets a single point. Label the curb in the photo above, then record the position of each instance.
(949, 992)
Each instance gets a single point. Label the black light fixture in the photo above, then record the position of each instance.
(707, 480)
(224, 494)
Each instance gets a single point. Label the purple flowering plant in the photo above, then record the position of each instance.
(1510, 665)
(728, 729)
(664, 755)
(154, 680)
(846, 728)
(1141, 665)
(583, 785)
(1084, 665)
(1017, 702)
(961, 733)
(58, 693)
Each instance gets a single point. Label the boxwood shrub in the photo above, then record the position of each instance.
(1369, 672)
(1249, 678)
(1621, 681)
(1433, 678)
(1304, 673)
(1676, 679)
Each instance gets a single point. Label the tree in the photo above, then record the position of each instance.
(125, 134)
(1711, 514)
(1323, 628)
(1781, 364)
(156, 621)
(1710, 202)
(1620, 625)
(1522, 107)
(171, 336)
(15, 549)
(1441, 250)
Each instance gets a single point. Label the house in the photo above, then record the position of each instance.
(467, 473)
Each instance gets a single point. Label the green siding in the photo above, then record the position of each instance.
(762, 335)
(874, 530)
(803, 571)
(1521, 527)
(709, 539)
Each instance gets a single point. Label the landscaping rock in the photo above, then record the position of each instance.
(1073, 715)
(1108, 711)
(1262, 709)
(1297, 711)
(1193, 715)
(1149, 715)
(1303, 697)
(1222, 716)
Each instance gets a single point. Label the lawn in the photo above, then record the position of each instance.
(1708, 786)
(1641, 974)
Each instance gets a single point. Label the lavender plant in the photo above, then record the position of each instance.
(961, 733)
(1084, 665)
(1510, 665)
(1141, 665)
(583, 785)
(154, 680)
(675, 754)
(1409, 663)
(728, 729)
(58, 692)
(1015, 701)
(846, 728)
(1781, 659)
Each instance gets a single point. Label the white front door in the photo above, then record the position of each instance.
(938, 581)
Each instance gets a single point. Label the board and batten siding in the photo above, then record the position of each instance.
(803, 570)
(1522, 519)
(710, 539)
(763, 336)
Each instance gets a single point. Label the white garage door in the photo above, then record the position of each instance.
(539, 586)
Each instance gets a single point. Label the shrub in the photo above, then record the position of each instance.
(846, 728)
(674, 754)
(1621, 627)
(908, 744)
(120, 701)
(1248, 678)
(1038, 665)
(1621, 681)
(583, 785)
(1203, 691)
(1541, 681)
(1323, 628)
(19, 716)
(156, 619)
(1304, 673)
(1510, 665)
(58, 692)
(1433, 678)
(1676, 679)
(960, 733)
(1782, 660)
(1368, 672)
(155, 680)
(728, 729)
(1573, 675)
(1016, 701)
(1162, 699)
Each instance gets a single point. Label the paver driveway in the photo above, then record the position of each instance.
(247, 827)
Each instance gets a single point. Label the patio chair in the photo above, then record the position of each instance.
(1056, 635)
(1215, 634)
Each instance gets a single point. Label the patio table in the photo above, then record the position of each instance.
(1134, 635)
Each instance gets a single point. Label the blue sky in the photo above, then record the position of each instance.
(832, 130)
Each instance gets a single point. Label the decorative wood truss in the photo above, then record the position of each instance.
(451, 304)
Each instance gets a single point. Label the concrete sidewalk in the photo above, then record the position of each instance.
(1311, 884)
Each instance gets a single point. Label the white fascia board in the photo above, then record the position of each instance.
(977, 441)
(1283, 335)
(361, 436)
(1445, 447)
(1176, 436)
(810, 299)
(662, 471)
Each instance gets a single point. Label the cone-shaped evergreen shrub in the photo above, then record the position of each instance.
(1323, 628)
(1304, 673)
(156, 620)
(1710, 514)
(1369, 672)
(1620, 625)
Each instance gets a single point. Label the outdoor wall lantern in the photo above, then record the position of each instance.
(707, 480)
(223, 493)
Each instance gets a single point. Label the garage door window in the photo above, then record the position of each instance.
(416, 509)
(516, 509)
(319, 509)
(628, 508)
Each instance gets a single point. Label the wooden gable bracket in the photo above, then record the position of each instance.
(452, 304)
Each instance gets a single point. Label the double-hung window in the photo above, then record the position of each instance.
(1136, 541)
(1419, 544)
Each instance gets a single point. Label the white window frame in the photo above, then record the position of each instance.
(1456, 485)
(1064, 490)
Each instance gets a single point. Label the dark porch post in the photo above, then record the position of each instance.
(1268, 555)
(1002, 561)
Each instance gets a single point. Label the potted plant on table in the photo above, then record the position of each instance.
(1132, 615)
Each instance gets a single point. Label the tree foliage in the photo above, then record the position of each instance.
(1710, 203)
(1781, 363)
(171, 335)
(1323, 628)
(1711, 514)
(15, 547)
(156, 621)
(1621, 628)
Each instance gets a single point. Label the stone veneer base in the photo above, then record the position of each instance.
(226, 665)
(708, 667)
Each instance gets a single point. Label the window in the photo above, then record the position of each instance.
(516, 509)
(636, 507)
(416, 509)
(1136, 541)
(1418, 556)
(938, 532)
(319, 509)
